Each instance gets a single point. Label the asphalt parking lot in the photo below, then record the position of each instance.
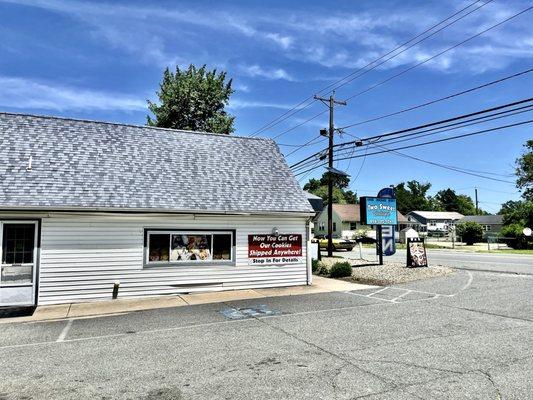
(466, 336)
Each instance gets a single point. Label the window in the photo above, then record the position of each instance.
(321, 226)
(182, 247)
(486, 228)
(334, 226)
(353, 226)
(432, 223)
(18, 243)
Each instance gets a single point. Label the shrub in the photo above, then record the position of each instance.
(315, 266)
(470, 232)
(340, 270)
(518, 239)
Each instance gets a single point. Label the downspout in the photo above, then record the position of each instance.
(309, 274)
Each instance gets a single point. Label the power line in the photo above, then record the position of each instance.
(439, 54)
(308, 143)
(446, 166)
(527, 71)
(445, 121)
(437, 129)
(432, 142)
(419, 63)
(337, 84)
(458, 125)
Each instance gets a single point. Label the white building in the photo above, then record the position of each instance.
(85, 204)
(434, 221)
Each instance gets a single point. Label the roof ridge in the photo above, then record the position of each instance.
(54, 117)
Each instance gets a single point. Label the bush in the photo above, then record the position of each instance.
(315, 266)
(341, 270)
(470, 232)
(518, 239)
(319, 268)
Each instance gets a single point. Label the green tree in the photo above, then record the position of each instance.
(448, 200)
(319, 187)
(413, 197)
(524, 172)
(470, 232)
(518, 212)
(193, 99)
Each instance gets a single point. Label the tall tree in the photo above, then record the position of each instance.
(193, 99)
(524, 172)
(319, 187)
(413, 197)
(448, 200)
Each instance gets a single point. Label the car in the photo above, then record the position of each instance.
(338, 243)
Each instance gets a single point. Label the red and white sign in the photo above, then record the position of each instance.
(275, 249)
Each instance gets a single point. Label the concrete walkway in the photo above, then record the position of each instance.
(121, 306)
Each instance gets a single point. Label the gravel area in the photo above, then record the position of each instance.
(390, 273)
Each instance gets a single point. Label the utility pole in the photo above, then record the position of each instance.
(477, 204)
(330, 103)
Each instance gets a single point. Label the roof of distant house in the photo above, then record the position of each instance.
(484, 219)
(445, 215)
(351, 213)
(78, 164)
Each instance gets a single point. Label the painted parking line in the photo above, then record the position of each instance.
(405, 292)
(62, 336)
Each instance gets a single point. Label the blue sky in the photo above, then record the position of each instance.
(102, 60)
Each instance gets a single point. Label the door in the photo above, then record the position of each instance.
(18, 263)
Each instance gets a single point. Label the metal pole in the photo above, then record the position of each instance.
(331, 132)
(477, 204)
(379, 244)
(330, 178)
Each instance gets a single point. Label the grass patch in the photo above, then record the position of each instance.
(528, 252)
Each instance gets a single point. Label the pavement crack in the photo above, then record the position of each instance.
(324, 350)
(407, 364)
(487, 313)
(491, 380)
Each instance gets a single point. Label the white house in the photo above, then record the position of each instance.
(347, 217)
(434, 221)
(85, 205)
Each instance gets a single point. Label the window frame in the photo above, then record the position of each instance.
(35, 255)
(172, 264)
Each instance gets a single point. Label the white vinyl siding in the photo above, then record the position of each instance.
(82, 256)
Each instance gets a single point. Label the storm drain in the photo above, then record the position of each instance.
(248, 312)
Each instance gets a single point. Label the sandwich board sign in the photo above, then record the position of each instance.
(416, 253)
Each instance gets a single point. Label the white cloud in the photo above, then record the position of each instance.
(336, 40)
(27, 94)
(237, 104)
(267, 73)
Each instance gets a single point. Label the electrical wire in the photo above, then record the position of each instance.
(436, 128)
(432, 142)
(418, 64)
(337, 84)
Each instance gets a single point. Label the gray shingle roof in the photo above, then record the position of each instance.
(446, 215)
(484, 219)
(98, 165)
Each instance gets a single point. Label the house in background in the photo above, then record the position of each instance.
(492, 224)
(434, 221)
(347, 217)
(316, 201)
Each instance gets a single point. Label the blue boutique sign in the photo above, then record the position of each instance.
(378, 211)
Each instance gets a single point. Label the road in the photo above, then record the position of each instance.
(465, 336)
(517, 264)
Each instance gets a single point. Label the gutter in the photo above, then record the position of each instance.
(121, 211)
